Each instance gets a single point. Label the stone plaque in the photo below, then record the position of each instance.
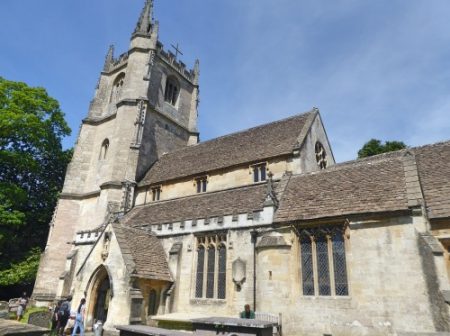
(239, 269)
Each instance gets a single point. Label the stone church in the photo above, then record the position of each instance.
(152, 224)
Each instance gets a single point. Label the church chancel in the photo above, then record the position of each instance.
(161, 224)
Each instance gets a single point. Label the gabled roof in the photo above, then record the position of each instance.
(252, 145)
(433, 163)
(142, 252)
(227, 202)
(371, 185)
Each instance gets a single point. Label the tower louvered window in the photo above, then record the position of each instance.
(172, 90)
(323, 262)
(211, 267)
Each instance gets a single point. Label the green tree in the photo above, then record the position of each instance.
(374, 147)
(32, 168)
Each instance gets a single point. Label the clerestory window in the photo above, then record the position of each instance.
(201, 183)
(259, 172)
(210, 279)
(172, 90)
(323, 262)
(156, 193)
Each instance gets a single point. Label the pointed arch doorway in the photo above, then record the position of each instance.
(100, 295)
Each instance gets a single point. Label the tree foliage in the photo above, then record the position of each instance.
(374, 147)
(32, 168)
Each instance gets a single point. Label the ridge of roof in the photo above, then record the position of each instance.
(229, 135)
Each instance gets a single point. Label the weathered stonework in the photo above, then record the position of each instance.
(379, 227)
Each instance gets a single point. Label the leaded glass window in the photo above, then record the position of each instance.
(221, 281)
(210, 272)
(339, 263)
(200, 272)
(323, 269)
(211, 267)
(307, 265)
(323, 261)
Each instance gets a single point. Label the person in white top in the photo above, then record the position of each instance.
(79, 319)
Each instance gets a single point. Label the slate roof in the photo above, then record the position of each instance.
(143, 253)
(370, 185)
(232, 201)
(433, 163)
(252, 145)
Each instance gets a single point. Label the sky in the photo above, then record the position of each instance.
(375, 69)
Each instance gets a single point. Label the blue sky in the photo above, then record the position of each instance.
(375, 69)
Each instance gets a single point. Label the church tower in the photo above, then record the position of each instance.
(145, 105)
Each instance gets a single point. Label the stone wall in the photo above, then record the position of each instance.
(387, 271)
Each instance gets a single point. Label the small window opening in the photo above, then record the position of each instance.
(201, 183)
(171, 92)
(259, 172)
(104, 149)
(156, 193)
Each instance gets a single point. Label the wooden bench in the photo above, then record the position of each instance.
(274, 318)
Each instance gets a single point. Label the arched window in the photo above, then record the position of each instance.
(200, 271)
(104, 149)
(172, 91)
(152, 304)
(211, 267)
(210, 271)
(222, 276)
(117, 88)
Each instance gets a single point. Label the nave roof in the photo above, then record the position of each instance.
(255, 144)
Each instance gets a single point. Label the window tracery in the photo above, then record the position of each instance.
(323, 261)
(211, 267)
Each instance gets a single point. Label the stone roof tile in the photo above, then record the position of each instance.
(433, 163)
(143, 253)
(370, 185)
(227, 202)
(252, 145)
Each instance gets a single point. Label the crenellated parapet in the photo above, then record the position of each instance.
(177, 65)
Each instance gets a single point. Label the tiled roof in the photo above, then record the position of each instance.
(433, 163)
(227, 202)
(255, 144)
(370, 185)
(143, 253)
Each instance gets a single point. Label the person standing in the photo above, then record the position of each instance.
(55, 321)
(79, 319)
(23, 301)
(63, 315)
